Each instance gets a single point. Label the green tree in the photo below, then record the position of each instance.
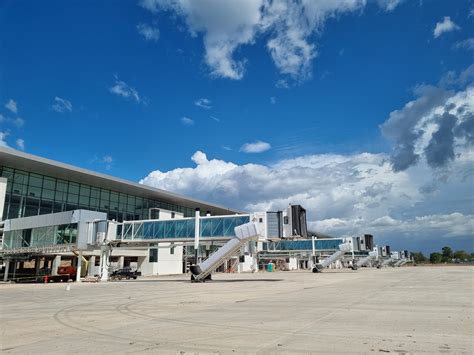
(418, 257)
(447, 254)
(436, 258)
(460, 255)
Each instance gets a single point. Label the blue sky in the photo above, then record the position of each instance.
(132, 87)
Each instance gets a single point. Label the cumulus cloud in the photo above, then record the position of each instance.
(12, 106)
(187, 121)
(149, 32)
(436, 126)
(61, 105)
(20, 144)
(343, 194)
(444, 26)
(467, 44)
(121, 88)
(287, 25)
(203, 103)
(255, 147)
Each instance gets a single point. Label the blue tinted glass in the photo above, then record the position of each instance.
(205, 227)
(217, 227)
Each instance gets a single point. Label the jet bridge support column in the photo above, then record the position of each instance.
(79, 266)
(7, 267)
(104, 262)
(196, 235)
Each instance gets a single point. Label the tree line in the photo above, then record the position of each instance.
(447, 255)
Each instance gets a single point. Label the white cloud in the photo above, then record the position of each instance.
(467, 44)
(121, 88)
(343, 194)
(203, 103)
(12, 106)
(150, 33)
(255, 147)
(447, 25)
(19, 122)
(187, 121)
(3, 139)
(215, 118)
(106, 160)
(288, 26)
(389, 5)
(61, 105)
(273, 100)
(437, 126)
(20, 143)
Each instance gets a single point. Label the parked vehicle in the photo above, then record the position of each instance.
(125, 273)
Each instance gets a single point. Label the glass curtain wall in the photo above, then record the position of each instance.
(41, 236)
(182, 228)
(30, 194)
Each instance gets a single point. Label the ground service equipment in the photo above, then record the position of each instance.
(364, 261)
(343, 248)
(243, 234)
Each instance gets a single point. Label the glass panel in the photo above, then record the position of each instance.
(85, 191)
(48, 194)
(7, 173)
(49, 183)
(73, 188)
(127, 232)
(72, 199)
(46, 206)
(36, 180)
(170, 229)
(20, 177)
(84, 201)
(217, 228)
(31, 207)
(34, 191)
(146, 230)
(114, 206)
(137, 231)
(19, 189)
(61, 185)
(95, 192)
(159, 229)
(93, 203)
(114, 196)
(60, 196)
(205, 228)
(58, 207)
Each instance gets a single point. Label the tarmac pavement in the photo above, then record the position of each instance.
(397, 310)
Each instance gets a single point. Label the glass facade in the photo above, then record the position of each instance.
(30, 194)
(41, 236)
(303, 245)
(182, 228)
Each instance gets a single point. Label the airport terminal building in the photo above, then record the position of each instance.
(44, 202)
